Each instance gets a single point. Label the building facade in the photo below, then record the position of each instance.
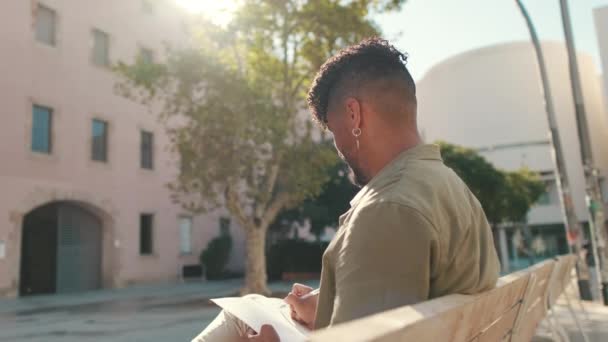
(84, 202)
(491, 99)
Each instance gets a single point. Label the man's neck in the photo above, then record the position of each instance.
(383, 154)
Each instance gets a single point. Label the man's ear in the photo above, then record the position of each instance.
(353, 112)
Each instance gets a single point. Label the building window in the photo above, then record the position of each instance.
(604, 190)
(42, 121)
(146, 234)
(147, 150)
(99, 147)
(224, 226)
(545, 198)
(185, 234)
(46, 25)
(101, 48)
(146, 55)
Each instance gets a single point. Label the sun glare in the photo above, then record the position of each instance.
(219, 11)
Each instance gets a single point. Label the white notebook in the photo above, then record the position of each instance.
(257, 310)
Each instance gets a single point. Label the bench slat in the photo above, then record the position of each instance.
(535, 301)
(510, 312)
(449, 318)
(501, 328)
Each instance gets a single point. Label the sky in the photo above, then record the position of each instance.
(433, 30)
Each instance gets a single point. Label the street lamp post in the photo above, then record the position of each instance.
(571, 223)
(593, 193)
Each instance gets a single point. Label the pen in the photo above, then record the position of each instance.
(310, 294)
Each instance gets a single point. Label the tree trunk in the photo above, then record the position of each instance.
(255, 272)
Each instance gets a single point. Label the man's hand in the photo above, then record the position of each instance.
(267, 334)
(303, 310)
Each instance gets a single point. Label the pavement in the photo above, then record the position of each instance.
(593, 317)
(172, 312)
(178, 312)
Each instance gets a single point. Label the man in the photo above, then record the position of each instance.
(414, 231)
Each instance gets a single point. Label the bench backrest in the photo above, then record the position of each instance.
(489, 316)
(561, 276)
(535, 302)
(510, 312)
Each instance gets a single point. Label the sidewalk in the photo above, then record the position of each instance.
(170, 312)
(190, 290)
(184, 291)
(594, 320)
(50, 302)
(177, 312)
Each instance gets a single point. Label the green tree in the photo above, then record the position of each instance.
(523, 189)
(506, 197)
(215, 257)
(485, 181)
(324, 210)
(234, 108)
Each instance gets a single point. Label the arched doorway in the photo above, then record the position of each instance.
(60, 250)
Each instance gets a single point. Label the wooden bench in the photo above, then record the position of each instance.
(534, 306)
(510, 312)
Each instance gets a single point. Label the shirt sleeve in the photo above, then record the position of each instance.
(387, 259)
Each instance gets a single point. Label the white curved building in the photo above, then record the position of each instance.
(490, 99)
(601, 28)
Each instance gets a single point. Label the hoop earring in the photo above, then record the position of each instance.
(357, 133)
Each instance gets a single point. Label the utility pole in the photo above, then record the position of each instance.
(572, 226)
(593, 197)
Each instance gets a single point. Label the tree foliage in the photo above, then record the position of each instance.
(234, 107)
(215, 257)
(324, 210)
(524, 188)
(506, 197)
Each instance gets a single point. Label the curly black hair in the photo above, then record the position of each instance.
(372, 59)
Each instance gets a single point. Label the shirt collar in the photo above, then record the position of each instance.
(419, 152)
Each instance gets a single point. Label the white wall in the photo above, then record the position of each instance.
(601, 26)
(492, 96)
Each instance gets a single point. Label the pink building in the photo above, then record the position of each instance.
(83, 201)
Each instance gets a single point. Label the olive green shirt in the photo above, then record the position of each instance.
(415, 232)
